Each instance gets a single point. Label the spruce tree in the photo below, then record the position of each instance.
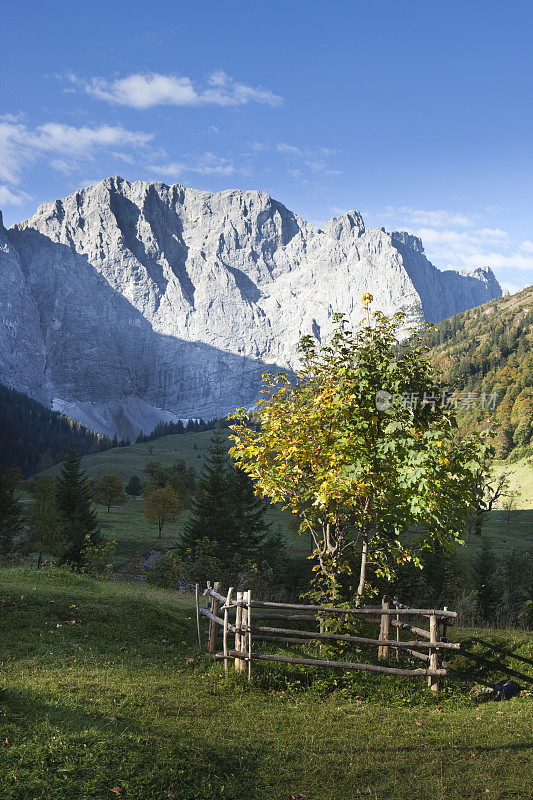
(44, 519)
(226, 511)
(248, 514)
(211, 514)
(486, 580)
(11, 524)
(74, 505)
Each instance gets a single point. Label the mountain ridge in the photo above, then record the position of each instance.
(131, 302)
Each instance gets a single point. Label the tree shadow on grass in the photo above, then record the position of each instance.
(54, 749)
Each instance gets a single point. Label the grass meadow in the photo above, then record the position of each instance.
(136, 536)
(104, 692)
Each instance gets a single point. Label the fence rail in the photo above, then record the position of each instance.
(233, 612)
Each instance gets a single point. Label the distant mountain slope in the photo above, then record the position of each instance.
(488, 351)
(32, 437)
(127, 304)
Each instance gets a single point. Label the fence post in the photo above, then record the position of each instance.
(226, 624)
(244, 635)
(198, 615)
(397, 636)
(238, 623)
(445, 624)
(249, 609)
(212, 648)
(433, 681)
(384, 629)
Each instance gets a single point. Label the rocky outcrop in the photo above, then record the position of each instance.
(134, 302)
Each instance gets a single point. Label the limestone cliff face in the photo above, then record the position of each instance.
(126, 303)
(22, 350)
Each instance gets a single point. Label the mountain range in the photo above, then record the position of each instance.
(130, 303)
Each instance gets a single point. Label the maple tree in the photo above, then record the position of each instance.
(360, 447)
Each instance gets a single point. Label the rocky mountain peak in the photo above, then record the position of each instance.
(129, 302)
(348, 225)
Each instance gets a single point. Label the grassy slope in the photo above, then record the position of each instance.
(133, 533)
(521, 480)
(110, 701)
(127, 461)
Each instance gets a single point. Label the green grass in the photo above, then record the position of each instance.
(128, 461)
(521, 480)
(133, 533)
(113, 700)
(136, 536)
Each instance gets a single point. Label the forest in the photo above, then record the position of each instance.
(486, 356)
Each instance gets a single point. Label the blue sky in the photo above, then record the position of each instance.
(418, 113)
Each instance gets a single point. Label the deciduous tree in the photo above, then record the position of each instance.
(109, 491)
(134, 487)
(360, 447)
(161, 506)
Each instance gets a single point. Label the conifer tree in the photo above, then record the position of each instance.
(486, 579)
(11, 524)
(212, 512)
(226, 511)
(74, 504)
(44, 519)
(248, 513)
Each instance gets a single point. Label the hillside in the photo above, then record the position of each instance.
(104, 693)
(32, 436)
(488, 352)
(128, 525)
(136, 536)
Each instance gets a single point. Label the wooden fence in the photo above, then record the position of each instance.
(235, 615)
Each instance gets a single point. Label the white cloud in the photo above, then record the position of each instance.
(492, 234)
(314, 159)
(470, 249)
(224, 91)
(257, 147)
(459, 241)
(500, 261)
(207, 164)
(65, 145)
(289, 150)
(11, 117)
(512, 288)
(430, 218)
(144, 90)
(9, 198)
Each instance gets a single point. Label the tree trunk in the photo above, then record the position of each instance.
(478, 524)
(362, 574)
(160, 529)
(40, 560)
